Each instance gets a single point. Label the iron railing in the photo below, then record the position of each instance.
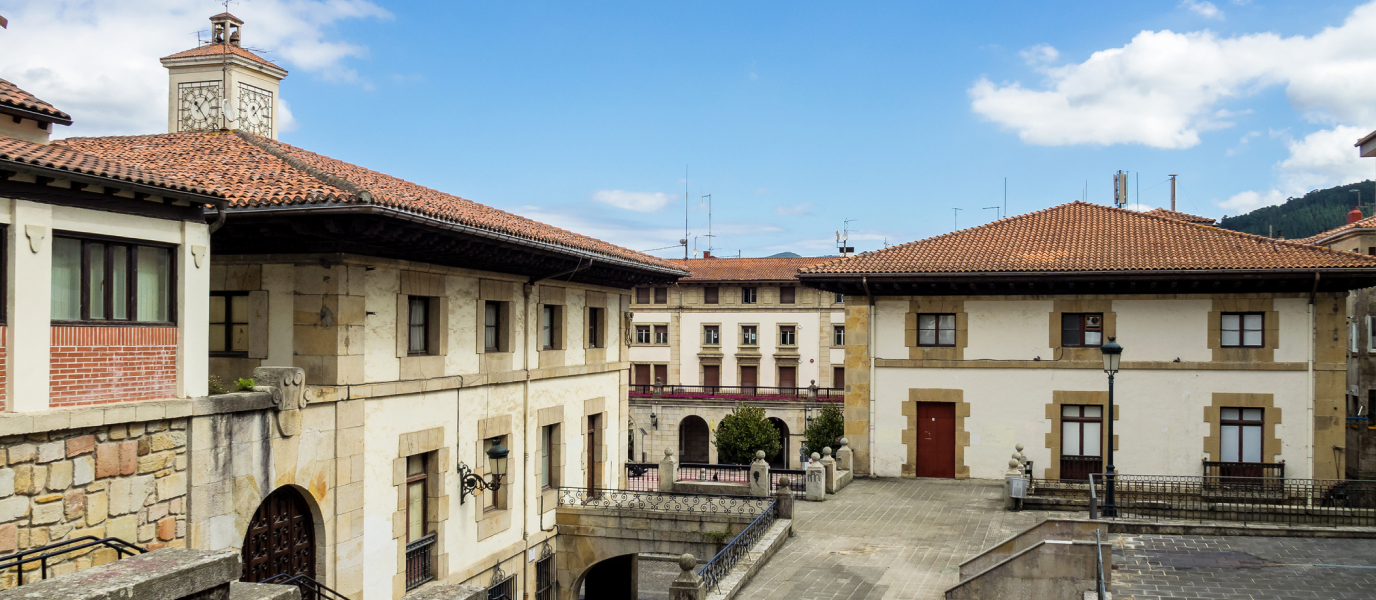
(643, 477)
(736, 391)
(1330, 502)
(796, 481)
(504, 589)
(1101, 586)
(41, 554)
(719, 504)
(714, 473)
(310, 588)
(721, 564)
(419, 558)
(1214, 468)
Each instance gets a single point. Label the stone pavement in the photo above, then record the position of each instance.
(887, 538)
(1156, 567)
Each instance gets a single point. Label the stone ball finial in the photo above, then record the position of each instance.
(816, 456)
(844, 442)
(783, 482)
(687, 562)
(826, 451)
(1015, 456)
(759, 455)
(668, 452)
(1013, 464)
(1018, 447)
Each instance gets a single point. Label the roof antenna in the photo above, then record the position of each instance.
(708, 198)
(684, 241)
(1172, 191)
(997, 215)
(955, 218)
(843, 238)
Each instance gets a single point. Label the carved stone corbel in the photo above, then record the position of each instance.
(287, 385)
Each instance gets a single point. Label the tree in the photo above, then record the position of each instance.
(826, 430)
(742, 433)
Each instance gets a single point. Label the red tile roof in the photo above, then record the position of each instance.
(61, 158)
(1180, 216)
(1083, 237)
(745, 269)
(257, 172)
(1366, 223)
(12, 96)
(220, 50)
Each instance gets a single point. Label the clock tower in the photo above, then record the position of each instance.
(222, 85)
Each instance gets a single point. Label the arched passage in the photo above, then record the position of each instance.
(615, 578)
(280, 538)
(780, 460)
(693, 438)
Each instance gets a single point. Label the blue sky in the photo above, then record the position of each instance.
(794, 116)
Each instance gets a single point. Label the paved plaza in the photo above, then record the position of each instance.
(1158, 567)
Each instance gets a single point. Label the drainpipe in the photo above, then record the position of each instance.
(1313, 339)
(869, 334)
(525, 420)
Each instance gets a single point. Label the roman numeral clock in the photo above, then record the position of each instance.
(198, 106)
(255, 110)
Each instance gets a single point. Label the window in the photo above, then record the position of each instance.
(642, 295)
(1352, 338)
(551, 327)
(662, 335)
(661, 295)
(416, 480)
(492, 326)
(936, 330)
(1371, 334)
(711, 375)
(1080, 430)
(642, 334)
(229, 323)
(788, 335)
(838, 378)
(709, 295)
(495, 500)
(838, 335)
(96, 280)
(749, 376)
(839, 299)
(787, 294)
(417, 325)
(1082, 330)
(788, 377)
(544, 579)
(711, 335)
(748, 295)
(1244, 330)
(748, 336)
(1240, 434)
(595, 327)
(642, 375)
(549, 456)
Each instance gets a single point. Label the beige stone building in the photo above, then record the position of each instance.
(963, 345)
(736, 329)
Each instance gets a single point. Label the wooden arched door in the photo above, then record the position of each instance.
(280, 538)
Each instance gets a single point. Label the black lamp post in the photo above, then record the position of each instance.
(469, 483)
(1112, 352)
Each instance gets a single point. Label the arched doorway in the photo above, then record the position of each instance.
(780, 460)
(280, 538)
(693, 438)
(615, 578)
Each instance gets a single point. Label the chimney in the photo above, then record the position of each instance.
(1354, 215)
(707, 254)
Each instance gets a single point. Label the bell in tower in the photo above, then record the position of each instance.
(221, 85)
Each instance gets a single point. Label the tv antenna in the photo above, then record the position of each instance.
(955, 218)
(708, 198)
(684, 241)
(843, 238)
(997, 213)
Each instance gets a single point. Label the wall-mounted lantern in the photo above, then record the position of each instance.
(496, 464)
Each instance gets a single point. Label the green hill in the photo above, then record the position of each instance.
(1315, 212)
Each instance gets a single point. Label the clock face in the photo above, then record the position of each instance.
(198, 106)
(255, 110)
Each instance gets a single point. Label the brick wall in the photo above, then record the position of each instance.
(101, 365)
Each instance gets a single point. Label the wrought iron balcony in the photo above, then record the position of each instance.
(753, 392)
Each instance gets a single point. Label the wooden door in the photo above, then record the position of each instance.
(749, 376)
(788, 377)
(280, 538)
(662, 374)
(936, 439)
(711, 375)
(594, 451)
(642, 375)
(838, 378)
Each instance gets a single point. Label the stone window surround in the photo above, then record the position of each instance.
(597, 353)
(546, 417)
(740, 335)
(706, 361)
(1053, 414)
(834, 327)
(508, 295)
(1080, 354)
(553, 297)
(595, 407)
(652, 326)
(778, 332)
(1270, 329)
(426, 441)
(743, 363)
(652, 372)
(936, 305)
(703, 335)
(953, 396)
(1271, 415)
(491, 521)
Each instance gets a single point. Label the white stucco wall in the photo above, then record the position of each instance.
(1007, 330)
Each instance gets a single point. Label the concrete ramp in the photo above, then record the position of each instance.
(1050, 529)
(1047, 570)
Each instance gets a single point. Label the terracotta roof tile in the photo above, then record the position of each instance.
(12, 95)
(745, 269)
(255, 172)
(1180, 216)
(220, 50)
(67, 159)
(1082, 237)
(1366, 223)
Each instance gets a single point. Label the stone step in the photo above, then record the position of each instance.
(743, 570)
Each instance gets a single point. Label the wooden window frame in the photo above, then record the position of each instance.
(661, 295)
(1083, 328)
(1082, 420)
(229, 323)
(552, 326)
(496, 327)
(549, 453)
(788, 335)
(1242, 330)
(788, 295)
(839, 298)
(779, 376)
(838, 336)
(131, 259)
(642, 295)
(1242, 423)
(422, 478)
(648, 330)
(1370, 334)
(711, 295)
(936, 337)
(750, 295)
(657, 333)
(424, 325)
(596, 322)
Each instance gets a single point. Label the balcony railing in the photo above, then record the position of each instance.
(1329, 502)
(1213, 468)
(756, 392)
(419, 562)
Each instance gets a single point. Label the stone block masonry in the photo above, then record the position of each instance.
(100, 365)
(127, 481)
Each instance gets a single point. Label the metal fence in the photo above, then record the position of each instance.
(796, 482)
(419, 557)
(1330, 502)
(1213, 468)
(714, 473)
(642, 477)
(721, 564)
(662, 501)
(736, 391)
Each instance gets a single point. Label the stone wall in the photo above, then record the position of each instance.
(126, 481)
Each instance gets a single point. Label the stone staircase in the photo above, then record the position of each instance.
(765, 547)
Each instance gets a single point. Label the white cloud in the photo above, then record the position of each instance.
(1040, 55)
(98, 60)
(1203, 9)
(799, 209)
(1162, 89)
(1321, 159)
(636, 201)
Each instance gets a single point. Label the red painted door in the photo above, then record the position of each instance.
(936, 439)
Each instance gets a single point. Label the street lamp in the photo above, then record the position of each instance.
(1113, 352)
(469, 483)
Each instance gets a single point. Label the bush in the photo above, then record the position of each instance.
(826, 430)
(742, 433)
(244, 384)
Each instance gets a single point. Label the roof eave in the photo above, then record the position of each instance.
(24, 113)
(114, 182)
(194, 61)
